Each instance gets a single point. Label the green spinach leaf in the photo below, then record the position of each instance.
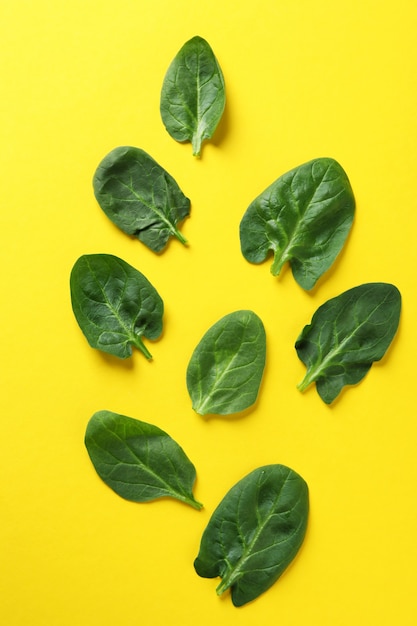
(140, 197)
(346, 335)
(255, 532)
(225, 370)
(114, 304)
(139, 461)
(193, 94)
(304, 217)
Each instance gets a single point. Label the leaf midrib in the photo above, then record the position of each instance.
(141, 464)
(131, 336)
(233, 574)
(316, 371)
(284, 254)
(224, 372)
(151, 207)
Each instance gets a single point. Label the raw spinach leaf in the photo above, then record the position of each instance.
(346, 335)
(139, 461)
(255, 532)
(193, 94)
(304, 217)
(225, 370)
(140, 197)
(114, 304)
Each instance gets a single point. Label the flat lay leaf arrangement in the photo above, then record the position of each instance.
(303, 218)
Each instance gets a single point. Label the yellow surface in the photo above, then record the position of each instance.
(304, 79)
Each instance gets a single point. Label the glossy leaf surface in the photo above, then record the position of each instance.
(255, 532)
(114, 304)
(139, 461)
(225, 370)
(140, 197)
(193, 94)
(346, 335)
(304, 218)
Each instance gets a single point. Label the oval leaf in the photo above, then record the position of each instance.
(139, 461)
(114, 305)
(346, 335)
(193, 94)
(140, 197)
(225, 370)
(304, 217)
(255, 532)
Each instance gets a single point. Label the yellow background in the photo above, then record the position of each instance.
(304, 79)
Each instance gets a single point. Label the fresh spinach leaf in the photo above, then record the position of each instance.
(304, 217)
(346, 335)
(193, 94)
(225, 370)
(255, 532)
(140, 197)
(139, 461)
(114, 304)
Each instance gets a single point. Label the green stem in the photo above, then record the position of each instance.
(186, 499)
(194, 503)
(141, 346)
(196, 144)
(279, 261)
(180, 236)
(224, 585)
(307, 380)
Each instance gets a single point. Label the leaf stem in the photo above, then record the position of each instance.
(180, 236)
(187, 499)
(141, 346)
(307, 380)
(278, 263)
(223, 586)
(194, 503)
(196, 144)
